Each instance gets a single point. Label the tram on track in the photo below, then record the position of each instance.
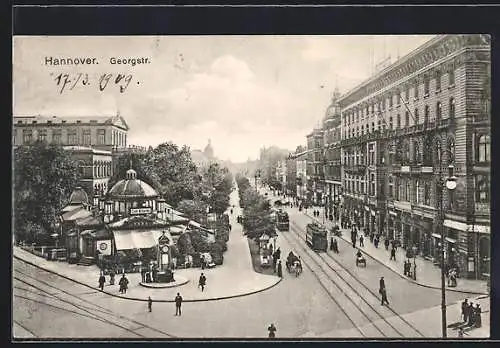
(317, 237)
(282, 221)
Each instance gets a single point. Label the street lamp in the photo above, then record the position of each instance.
(451, 184)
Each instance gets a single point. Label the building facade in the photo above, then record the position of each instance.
(315, 164)
(402, 129)
(301, 163)
(332, 164)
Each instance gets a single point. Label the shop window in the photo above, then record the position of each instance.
(484, 148)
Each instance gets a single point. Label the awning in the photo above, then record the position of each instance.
(393, 213)
(87, 232)
(460, 226)
(435, 235)
(451, 240)
(194, 223)
(137, 239)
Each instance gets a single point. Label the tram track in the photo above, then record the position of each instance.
(355, 292)
(95, 311)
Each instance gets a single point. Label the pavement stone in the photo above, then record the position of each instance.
(236, 277)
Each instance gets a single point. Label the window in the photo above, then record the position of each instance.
(398, 121)
(407, 119)
(373, 126)
(72, 137)
(417, 193)
(390, 123)
(371, 150)
(372, 184)
(391, 187)
(408, 191)
(86, 137)
(101, 136)
(426, 114)
(437, 151)
(398, 188)
(398, 98)
(416, 89)
(27, 136)
(438, 111)
(451, 77)
(362, 129)
(451, 150)
(427, 193)
(482, 189)
(484, 148)
(406, 153)
(42, 135)
(56, 136)
(390, 100)
(416, 116)
(452, 107)
(426, 85)
(363, 187)
(438, 81)
(407, 93)
(416, 152)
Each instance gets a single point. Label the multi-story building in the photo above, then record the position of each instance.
(94, 142)
(315, 163)
(332, 164)
(402, 128)
(301, 181)
(291, 175)
(281, 175)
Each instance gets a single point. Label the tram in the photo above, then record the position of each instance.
(282, 222)
(317, 237)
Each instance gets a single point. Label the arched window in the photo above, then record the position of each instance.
(406, 153)
(436, 155)
(408, 191)
(438, 80)
(482, 189)
(427, 151)
(439, 111)
(416, 152)
(416, 116)
(417, 193)
(450, 146)
(452, 108)
(427, 193)
(484, 148)
(426, 114)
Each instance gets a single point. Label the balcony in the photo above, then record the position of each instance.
(356, 169)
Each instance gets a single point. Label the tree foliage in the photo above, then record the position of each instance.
(44, 177)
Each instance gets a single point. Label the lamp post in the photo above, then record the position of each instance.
(451, 184)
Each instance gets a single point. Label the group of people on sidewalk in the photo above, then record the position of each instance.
(471, 314)
(123, 283)
(277, 267)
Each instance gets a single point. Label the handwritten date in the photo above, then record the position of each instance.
(67, 82)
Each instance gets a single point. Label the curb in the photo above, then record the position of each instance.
(145, 300)
(401, 275)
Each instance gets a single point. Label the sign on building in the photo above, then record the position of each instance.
(139, 211)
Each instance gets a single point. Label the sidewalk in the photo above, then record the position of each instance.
(428, 274)
(234, 278)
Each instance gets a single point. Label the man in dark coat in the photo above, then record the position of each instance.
(278, 253)
(383, 291)
(361, 241)
(393, 254)
(381, 283)
(331, 243)
(335, 246)
(202, 281)
(386, 244)
(143, 274)
(477, 315)
(272, 330)
(470, 314)
(150, 303)
(280, 270)
(178, 304)
(123, 284)
(102, 280)
(464, 310)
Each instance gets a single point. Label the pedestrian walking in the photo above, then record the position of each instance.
(230, 227)
(477, 319)
(375, 242)
(112, 277)
(202, 282)
(123, 284)
(272, 329)
(102, 280)
(143, 274)
(386, 243)
(178, 304)
(470, 314)
(150, 304)
(331, 243)
(383, 291)
(464, 310)
(280, 270)
(393, 254)
(361, 241)
(372, 237)
(335, 246)
(231, 211)
(405, 268)
(353, 240)
(278, 253)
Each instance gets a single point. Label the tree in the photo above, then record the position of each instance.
(193, 209)
(44, 177)
(140, 162)
(184, 244)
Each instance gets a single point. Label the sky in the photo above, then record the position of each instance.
(241, 92)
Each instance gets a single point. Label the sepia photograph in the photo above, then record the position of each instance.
(248, 187)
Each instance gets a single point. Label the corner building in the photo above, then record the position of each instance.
(395, 128)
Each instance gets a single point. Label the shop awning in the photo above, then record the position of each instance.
(451, 240)
(435, 235)
(137, 239)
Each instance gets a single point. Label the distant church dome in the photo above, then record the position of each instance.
(209, 151)
(131, 187)
(334, 109)
(78, 196)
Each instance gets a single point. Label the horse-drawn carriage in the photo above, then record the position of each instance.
(293, 264)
